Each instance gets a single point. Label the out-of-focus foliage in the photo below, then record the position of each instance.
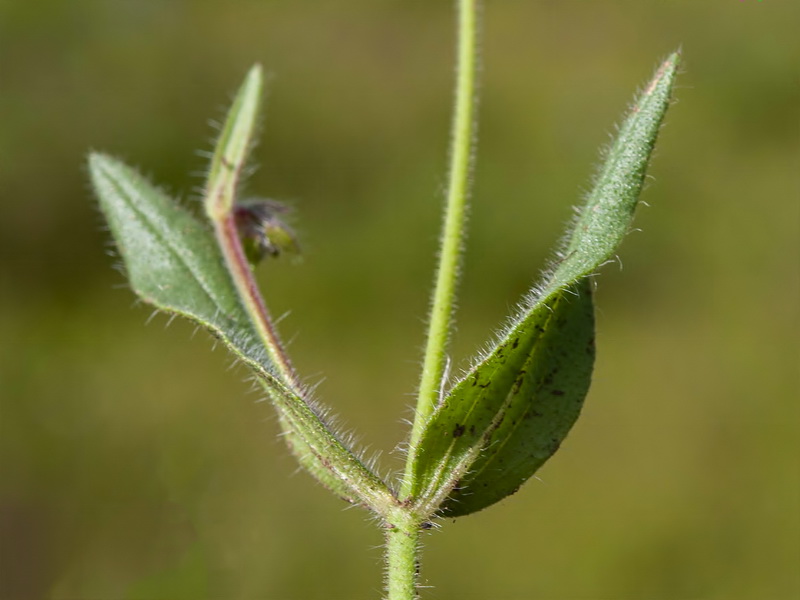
(133, 464)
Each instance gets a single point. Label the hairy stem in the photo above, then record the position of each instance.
(464, 128)
(402, 557)
(242, 274)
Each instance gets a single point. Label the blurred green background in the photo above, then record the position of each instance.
(135, 464)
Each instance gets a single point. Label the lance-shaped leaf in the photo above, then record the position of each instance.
(234, 143)
(173, 262)
(510, 413)
(499, 424)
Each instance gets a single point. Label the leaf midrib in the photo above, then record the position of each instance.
(151, 225)
(471, 449)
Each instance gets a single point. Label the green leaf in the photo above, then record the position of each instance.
(236, 139)
(606, 217)
(510, 413)
(173, 262)
(542, 404)
(502, 421)
(171, 258)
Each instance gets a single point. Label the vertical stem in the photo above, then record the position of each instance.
(402, 559)
(464, 130)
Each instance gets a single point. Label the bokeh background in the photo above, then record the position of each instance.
(136, 464)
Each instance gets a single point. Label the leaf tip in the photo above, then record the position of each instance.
(98, 165)
(256, 74)
(665, 72)
(95, 160)
(235, 142)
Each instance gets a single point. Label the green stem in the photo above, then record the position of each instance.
(402, 558)
(464, 129)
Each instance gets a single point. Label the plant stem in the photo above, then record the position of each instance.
(464, 130)
(403, 533)
(402, 558)
(242, 274)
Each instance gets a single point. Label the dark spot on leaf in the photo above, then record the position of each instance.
(495, 426)
(520, 380)
(557, 392)
(458, 431)
(515, 343)
(472, 429)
